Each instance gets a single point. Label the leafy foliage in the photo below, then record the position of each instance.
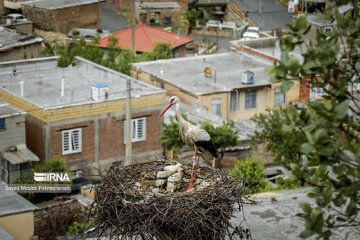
(250, 173)
(52, 165)
(327, 130)
(222, 136)
(286, 183)
(114, 57)
(193, 15)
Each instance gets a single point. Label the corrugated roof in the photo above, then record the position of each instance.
(13, 203)
(145, 38)
(51, 4)
(20, 155)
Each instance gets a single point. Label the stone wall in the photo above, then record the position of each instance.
(65, 19)
(21, 52)
(21, 27)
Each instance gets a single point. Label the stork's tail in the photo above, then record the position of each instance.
(207, 151)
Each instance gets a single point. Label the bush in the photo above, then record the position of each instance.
(250, 173)
(52, 165)
(76, 228)
(286, 183)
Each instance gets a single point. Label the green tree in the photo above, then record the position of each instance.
(193, 15)
(222, 136)
(327, 130)
(251, 174)
(160, 51)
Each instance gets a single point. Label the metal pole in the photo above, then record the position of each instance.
(133, 26)
(261, 13)
(128, 149)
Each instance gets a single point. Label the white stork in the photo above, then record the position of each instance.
(194, 136)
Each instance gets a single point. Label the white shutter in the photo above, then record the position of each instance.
(66, 141)
(138, 130)
(72, 141)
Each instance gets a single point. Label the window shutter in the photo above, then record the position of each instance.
(66, 141)
(141, 129)
(76, 140)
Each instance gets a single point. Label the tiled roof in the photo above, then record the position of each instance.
(146, 37)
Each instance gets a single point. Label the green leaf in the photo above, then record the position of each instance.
(305, 207)
(307, 148)
(341, 110)
(351, 208)
(307, 233)
(285, 86)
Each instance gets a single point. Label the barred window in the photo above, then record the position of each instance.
(138, 130)
(72, 141)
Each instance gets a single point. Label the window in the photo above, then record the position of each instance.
(279, 99)
(155, 18)
(250, 99)
(234, 101)
(216, 106)
(2, 124)
(327, 29)
(317, 92)
(143, 17)
(167, 20)
(71, 141)
(138, 130)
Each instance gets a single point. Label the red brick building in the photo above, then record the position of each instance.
(78, 113)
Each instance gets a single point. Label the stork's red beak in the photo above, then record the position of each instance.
(165, 109)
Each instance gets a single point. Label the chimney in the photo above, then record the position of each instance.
(21, 88)
(62, 86)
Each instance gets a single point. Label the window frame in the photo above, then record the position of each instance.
(70, 149)
(217, 102)
(135, 126)
(279, 98)
(2, 124)
(248, 99)
(234, 104)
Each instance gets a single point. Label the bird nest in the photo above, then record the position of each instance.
(136, 202)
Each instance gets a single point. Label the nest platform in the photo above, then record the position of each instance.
(132, 203)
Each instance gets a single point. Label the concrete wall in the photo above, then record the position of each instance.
(65, 19)
(14, 132)
(20, 226)
(21, 52)
(22, 27)
(2, 8)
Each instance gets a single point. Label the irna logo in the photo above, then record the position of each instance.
(52, 177)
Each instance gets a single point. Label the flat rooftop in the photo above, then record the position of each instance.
(42, 80)
(10, 38)
(13, 203)
(58, 4)
(8, 111)
(188, 73)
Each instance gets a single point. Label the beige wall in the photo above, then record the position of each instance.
(20, 226)
(264, 97)
(174, 13)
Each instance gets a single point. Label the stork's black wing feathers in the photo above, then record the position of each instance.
(209, 146)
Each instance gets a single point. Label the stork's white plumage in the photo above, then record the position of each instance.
(194, 136)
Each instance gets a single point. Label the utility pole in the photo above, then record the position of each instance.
(261, 14)
(133, 26)
(128, 150)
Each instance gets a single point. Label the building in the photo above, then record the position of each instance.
(232, 85)
(318, 24)
(126, 5)
(63, 15)
(78, 113)
(14, 45)
(16, 215)
(159, 14)
(15, 158)
(87, 34)
(145, 39)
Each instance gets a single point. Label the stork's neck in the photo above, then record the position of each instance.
(178, 113)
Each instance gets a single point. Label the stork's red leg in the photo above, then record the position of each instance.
(196, 166)
(192, 172)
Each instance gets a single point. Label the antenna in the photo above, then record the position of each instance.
(62, 86)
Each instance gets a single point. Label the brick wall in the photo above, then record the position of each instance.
(88, 142)
(41, 18)
(111, 136)
(22, 52)
(34, 136)
(304, 93)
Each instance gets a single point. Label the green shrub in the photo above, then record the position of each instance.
(250, 174)
(52, 165)
(286, 183)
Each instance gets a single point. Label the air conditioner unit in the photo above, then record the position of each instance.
(247, 77)
(100, 92)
